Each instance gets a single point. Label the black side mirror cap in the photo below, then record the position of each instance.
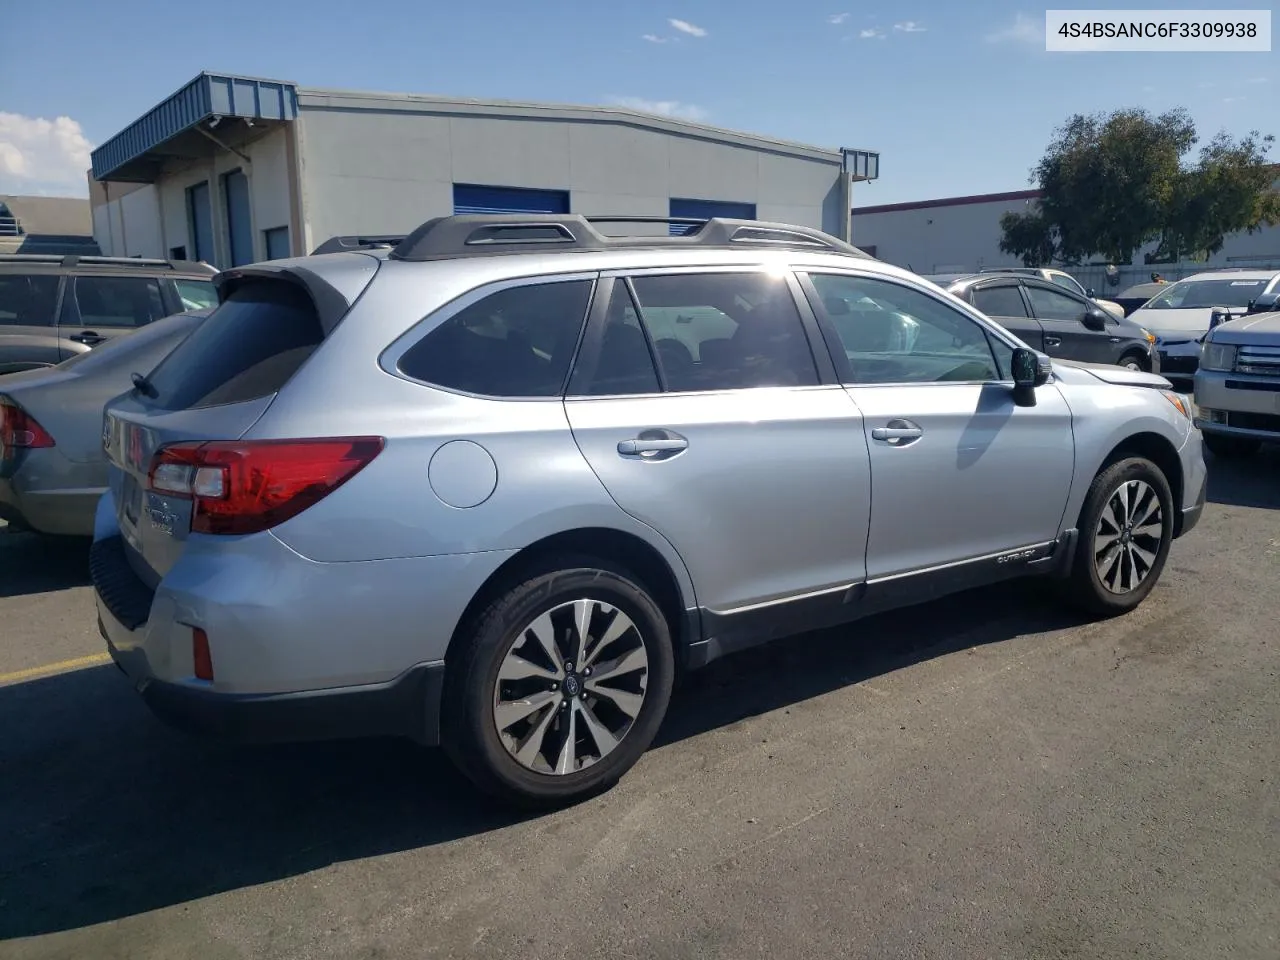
(1030, 370)
(1094, 319)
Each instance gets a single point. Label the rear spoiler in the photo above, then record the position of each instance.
(333, 293)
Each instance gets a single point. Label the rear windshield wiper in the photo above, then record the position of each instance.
(143, 385)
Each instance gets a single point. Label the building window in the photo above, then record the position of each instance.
(706, 209)
(474, 198)
(276, 241)
(178, 253)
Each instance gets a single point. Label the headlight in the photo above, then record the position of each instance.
(1181, 402)
(1217, 356)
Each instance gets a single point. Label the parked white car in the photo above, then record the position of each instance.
(1238, 385)
(1183, 313)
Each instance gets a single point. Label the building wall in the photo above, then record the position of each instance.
(151, 220)
(950, 236)
(382, 165)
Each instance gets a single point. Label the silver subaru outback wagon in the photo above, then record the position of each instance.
(493, 487)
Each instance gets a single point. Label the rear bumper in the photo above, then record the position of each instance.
(408, 706)
(43, 491)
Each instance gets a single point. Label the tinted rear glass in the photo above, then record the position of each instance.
(138, 352)
(248, 348)
(27, 299)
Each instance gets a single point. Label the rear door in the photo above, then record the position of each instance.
(97, 308)
(1061, 314)
(28, 332)
(698, 402)
(213, 386)
(1003, 302)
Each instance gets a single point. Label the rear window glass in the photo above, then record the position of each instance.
(28, 299)
(248, 348)
(136, 353)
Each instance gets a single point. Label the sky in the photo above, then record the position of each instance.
(957, 98)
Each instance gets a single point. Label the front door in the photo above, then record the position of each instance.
(958, 472)
(697, 402)
(1061, 314)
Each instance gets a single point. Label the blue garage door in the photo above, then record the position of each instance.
(235, 187)
(470, 198)
(707, 209)
(200, 222)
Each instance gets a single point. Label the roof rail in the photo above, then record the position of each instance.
(348, 243)
(489, 234)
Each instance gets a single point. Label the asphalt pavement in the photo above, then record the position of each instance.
(982, 777)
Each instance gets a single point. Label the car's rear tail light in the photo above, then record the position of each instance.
(200, 654)
(18, 429)
(246, 486)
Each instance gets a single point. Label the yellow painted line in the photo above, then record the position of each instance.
(62, 666)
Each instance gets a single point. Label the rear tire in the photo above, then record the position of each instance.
(1231, 448)
(1126, 529)
(522, 684)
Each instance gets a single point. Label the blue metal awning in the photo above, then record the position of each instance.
(125, 156)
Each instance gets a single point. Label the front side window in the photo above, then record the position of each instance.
(725, 331)
(196, 294)
(1052, 305)
(516, 342)
(118, 301)
(1000, 301)
(892, 333)
(27, 299)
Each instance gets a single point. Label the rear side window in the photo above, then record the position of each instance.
(247, 348)
(516, 342)
(725, 331)
(116, 301)
(196, 294)
(28, 300)
(1005, 301)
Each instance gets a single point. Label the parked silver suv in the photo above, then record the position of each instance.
(492, 488)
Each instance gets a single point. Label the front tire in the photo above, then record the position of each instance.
(1231, 448)
(1126, 529)
(560, 685)
(1134, 361)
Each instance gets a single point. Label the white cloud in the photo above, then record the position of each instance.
(663, 108)
(1024, 29)
(684, 26)
(1232, 99)
(909, 26)
(654, 38)
(1258, 80)
(837, 18)
(42, 156)
(870, 34)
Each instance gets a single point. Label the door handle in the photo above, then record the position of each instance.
(898, 433)
(1053, 341)
(88, 337)
(642, 447)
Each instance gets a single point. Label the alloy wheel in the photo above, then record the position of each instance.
(1128, 536)
(570, 687)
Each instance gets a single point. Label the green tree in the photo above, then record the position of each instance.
(1112, 183)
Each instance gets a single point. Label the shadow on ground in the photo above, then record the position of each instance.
(106, 814)
(31, 564)
(1250, 482)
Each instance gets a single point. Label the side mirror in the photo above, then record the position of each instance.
(1030, 370)
(1090, 294)
(1218, 316)
(1094, 319)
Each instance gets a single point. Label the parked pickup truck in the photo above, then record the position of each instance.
(54, 307)
(1238, 382)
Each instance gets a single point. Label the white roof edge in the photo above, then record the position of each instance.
(320, 97)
